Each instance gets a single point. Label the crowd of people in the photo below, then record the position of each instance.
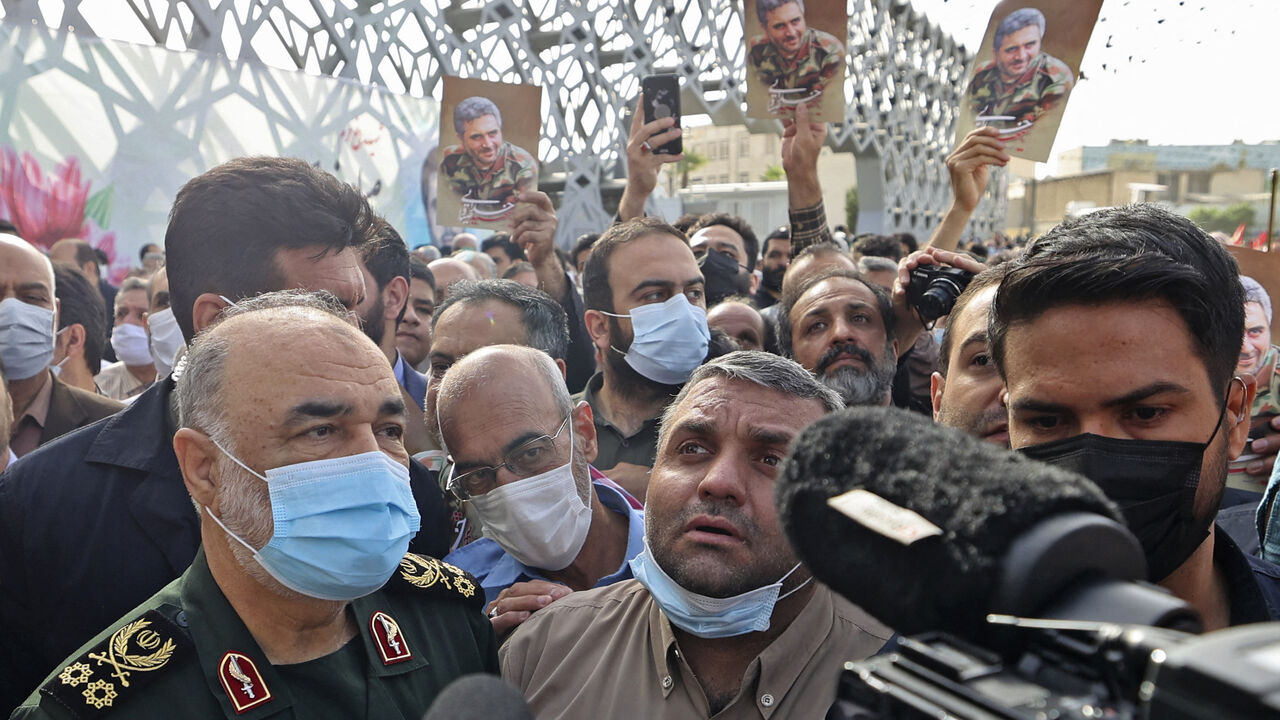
(325, 476)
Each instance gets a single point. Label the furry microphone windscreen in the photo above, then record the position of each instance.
(978, 495)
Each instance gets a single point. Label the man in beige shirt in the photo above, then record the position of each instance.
(722, 620)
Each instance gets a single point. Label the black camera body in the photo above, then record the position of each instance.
(1110, 671)
(932, 291)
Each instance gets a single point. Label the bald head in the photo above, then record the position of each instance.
(74, 251)
(448, 271)
(25, 273)
(510, 376)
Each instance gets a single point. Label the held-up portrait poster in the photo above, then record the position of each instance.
(488, 151)
(796, 55)
(1025, 70)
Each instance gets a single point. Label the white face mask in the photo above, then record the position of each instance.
(541, 520)
(131, 345)
(166, 340)
(26, 338)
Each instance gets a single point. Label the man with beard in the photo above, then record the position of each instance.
(721, 619)
(966, 389)
(773, 266)
(646, 315)
(1074, 327)
(839, 326)
(385, 263)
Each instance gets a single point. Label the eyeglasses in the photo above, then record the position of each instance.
(532, 458)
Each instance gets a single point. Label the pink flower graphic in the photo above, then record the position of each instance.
(46, 208)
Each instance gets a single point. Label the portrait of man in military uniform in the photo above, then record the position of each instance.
(482, 171)
(1025, 70)
(1022, 81)
(793, 61)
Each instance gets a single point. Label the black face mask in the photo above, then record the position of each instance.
(772, 279)
(722, 276)
(1153, 481)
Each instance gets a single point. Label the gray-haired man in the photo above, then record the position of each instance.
(484, 166)
(713, 540)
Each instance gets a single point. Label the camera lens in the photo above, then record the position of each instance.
(938, 299)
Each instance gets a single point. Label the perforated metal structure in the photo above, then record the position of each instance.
(905, 75)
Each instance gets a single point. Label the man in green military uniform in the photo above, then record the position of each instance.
(484, 169)
(794, 61)
(302, 602)
(1021, 82)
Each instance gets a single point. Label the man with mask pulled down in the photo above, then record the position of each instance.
(1075, 324)
(302, 597)
(721, 618)
(520, 451)
(647, 316)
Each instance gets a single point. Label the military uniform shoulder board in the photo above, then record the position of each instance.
(116, 669)
(419, 572)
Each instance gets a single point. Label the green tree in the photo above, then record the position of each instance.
(772, 173)
(851, 210)
(1226, 220)
(692, 161)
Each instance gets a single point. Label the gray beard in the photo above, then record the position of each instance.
(861, 387)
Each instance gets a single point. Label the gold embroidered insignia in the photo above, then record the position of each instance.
(464, 585)
(242, 682)
(388, 638)
(92, 697)
(75, 674)
(120, 656)
(120, 664)
(429, 573)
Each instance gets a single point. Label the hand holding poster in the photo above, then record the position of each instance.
(796, 55)
(489, 141)
(1025, 70)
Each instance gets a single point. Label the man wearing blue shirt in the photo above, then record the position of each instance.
(521, 453)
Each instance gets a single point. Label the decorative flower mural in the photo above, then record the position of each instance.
(47, 207)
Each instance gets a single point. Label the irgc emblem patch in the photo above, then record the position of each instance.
(118, 667)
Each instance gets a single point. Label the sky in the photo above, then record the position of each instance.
(1177, 72)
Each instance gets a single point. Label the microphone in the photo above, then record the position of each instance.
(479, 697)
(930, 529)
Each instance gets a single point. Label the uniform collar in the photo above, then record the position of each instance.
(772, 672)
(217, 630)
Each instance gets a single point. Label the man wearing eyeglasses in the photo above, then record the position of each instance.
(521, 451)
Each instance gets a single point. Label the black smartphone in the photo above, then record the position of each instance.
(662, 100)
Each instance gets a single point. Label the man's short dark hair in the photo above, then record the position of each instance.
(502, 241)
(472, 108)
(685, 221)
(749, 241)
(142, 251)
(1130, 254)
(908, 240)
(1015, 21)
(80, 303)
(227, 225)
(983, 280)
(597, 294)
(545, 324)
(793, 295)
(516, 268)
(764, 7)
(419, 270)
(385, 254)
(886, 246)
(583, 243)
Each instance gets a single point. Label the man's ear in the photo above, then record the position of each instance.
(205, 310)
(598, 328)
(71, 340)
(564, 369)
(394, 297)
(584, 427)
(936, 385)
(196, 453)
(1240, 396)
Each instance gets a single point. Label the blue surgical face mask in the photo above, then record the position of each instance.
(669, 340)
(709, 617)
(26, 338)
(341, 525)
